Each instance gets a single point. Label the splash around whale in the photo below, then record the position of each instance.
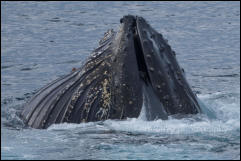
(130, 67)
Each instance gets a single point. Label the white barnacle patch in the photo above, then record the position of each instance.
(88, 81)
(102, 113)
(73, 98)
(130, 102)
(88, 104)
(105, 97)
(105, 73)
(71, 107)
(103, 64)
(105, 94)
(81, 85)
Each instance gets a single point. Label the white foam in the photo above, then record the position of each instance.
(228, 119)
(173, 126)
(68, 126)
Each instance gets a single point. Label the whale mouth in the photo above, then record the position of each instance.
(154, 108)
(164, 82)
(141, 63)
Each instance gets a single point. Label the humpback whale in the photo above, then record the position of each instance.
(131, 66)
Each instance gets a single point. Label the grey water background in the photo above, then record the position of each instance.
(41, 41)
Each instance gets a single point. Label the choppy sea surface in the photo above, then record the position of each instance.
(41, 41)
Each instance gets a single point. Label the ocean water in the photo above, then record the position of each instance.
(41, 41)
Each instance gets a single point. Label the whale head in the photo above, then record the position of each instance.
(131, 67)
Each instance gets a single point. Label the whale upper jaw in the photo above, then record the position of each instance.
(130, 67)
